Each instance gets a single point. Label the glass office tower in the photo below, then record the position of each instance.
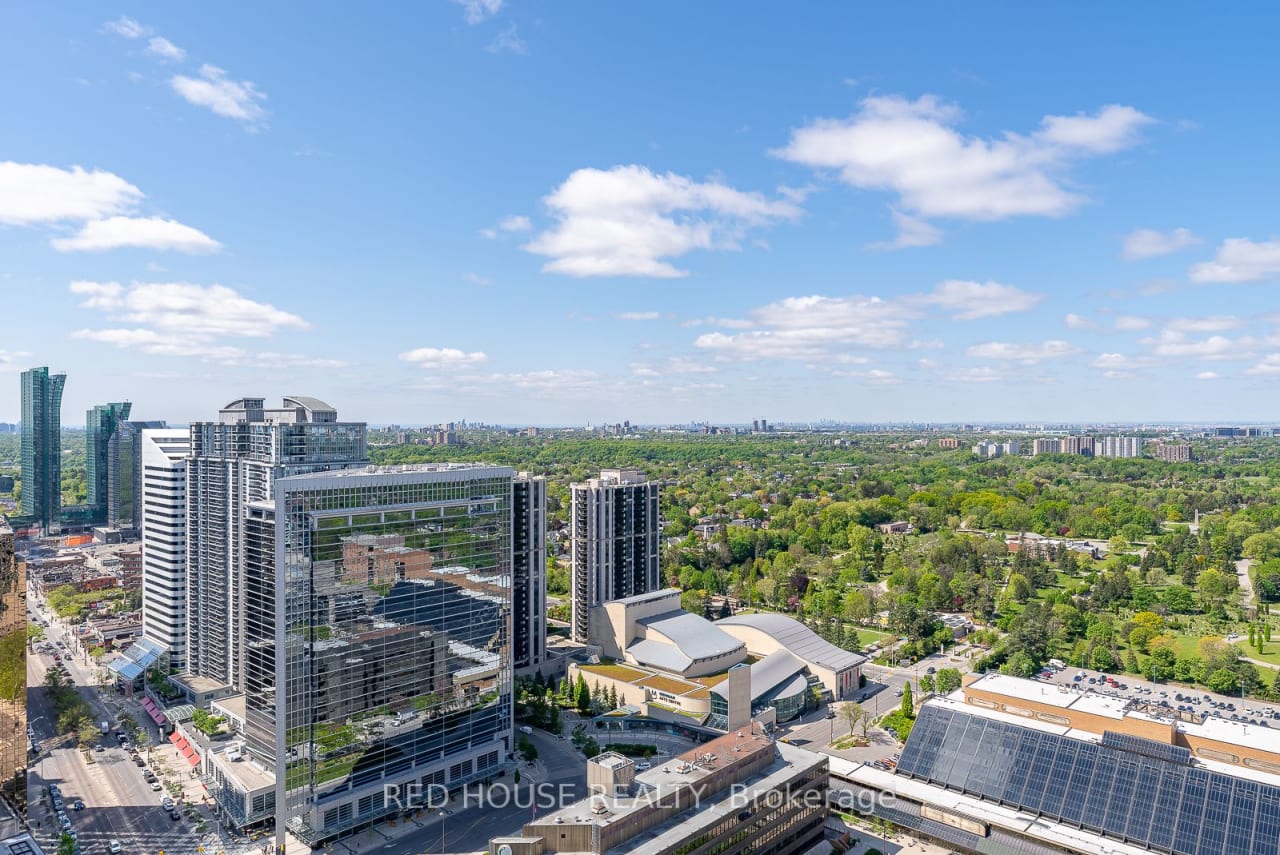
(377, 621)
(42, 446)
(101, 424)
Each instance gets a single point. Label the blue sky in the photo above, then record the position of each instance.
(535, 212)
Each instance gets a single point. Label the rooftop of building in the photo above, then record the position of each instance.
(249, 775)
(1214, 728)
(407, 470)
(657, 785)
(798, 638)
(693, 638)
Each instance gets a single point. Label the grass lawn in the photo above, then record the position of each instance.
(870, 636)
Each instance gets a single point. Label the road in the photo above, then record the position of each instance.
(1246, 584)
(119, 804)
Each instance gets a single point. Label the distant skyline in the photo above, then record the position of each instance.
(561, 213)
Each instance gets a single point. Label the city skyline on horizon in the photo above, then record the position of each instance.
(510, 210)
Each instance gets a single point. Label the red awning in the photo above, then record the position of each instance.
(193, 758)
(156, 717)
(183, 745)
(175, 737)
(148, 704)
(188, 751)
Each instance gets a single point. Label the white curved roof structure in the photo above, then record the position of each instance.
(795, 637)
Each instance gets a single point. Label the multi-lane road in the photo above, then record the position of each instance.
(118, 803)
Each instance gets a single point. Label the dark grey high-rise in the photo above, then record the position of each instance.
(42, 446)
(101, 424)
(528, 571)
(614, 528)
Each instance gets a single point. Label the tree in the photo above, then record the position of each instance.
(948, 680)
(66, 845)
(927, 684)
(908, 704)
(1223, 681)
(1214, 587)
(1102, 660)
(856, 716)
(584, 696)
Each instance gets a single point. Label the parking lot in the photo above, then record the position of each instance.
(1189, 703)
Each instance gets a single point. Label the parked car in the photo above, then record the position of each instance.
(156, 786)
(114, 847)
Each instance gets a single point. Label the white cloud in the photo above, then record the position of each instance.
(1131, 322)
(806, 327)
(874, 376)
(196, 313)
(1025, 353)
(1270, 364)
(127, 27)
(476, 11)
(969, 301)
(912, 232)
(143, 232)
(727, 323)
(1240, 260)
(1212, 323)
(34, 193)
(268, 359)
(685, 365)
(508, 225)
(1079, 322)
(508, 41)
(239, 100)
(8, 360)
(1172, 342)
(638, 316)
(476, 279)
(1213, 375)
(443, 357)
(1148, 243)
(983, 374)
(642, 369)
(1117, 361)
(627, 221)
(913, 150)
(165, 49)
(515, 223)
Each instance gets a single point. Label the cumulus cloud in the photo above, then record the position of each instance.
(180, 319)
(139, 232)
(814, 327)
(513, 224)
(913, 150)
(967, 301)
(627, 221)
(1240, 260)
(165, 49)
(1079, 322)
(1173, 342)
(478, 11)
(912, 232)
(1131, 322)
(127, 28)
(1213, 375)
(1270, 364)
(213, 89)
(443, 357)
(508, 41)
(1148, 243)
(33, 193)
(1025, 353)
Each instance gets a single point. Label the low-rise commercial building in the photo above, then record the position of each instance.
(741, 793)
(1006, 764)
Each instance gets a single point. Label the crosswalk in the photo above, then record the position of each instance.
(175, 842)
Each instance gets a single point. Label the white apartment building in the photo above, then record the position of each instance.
(1119, 446)
(163, 522)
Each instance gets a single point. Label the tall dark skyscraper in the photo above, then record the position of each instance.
(528, 571)
(614, 528)
(42, 446)
(101, 425)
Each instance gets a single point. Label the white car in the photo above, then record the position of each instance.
(114, 847)
(156, 786)
(643, 766)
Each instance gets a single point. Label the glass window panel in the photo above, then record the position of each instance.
(1081, 777)
(1213, 828)
(1191, 812)
(1167, 806)
(1095, 802)
(1240, 821)
(1117, 807)
(1145, 793)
